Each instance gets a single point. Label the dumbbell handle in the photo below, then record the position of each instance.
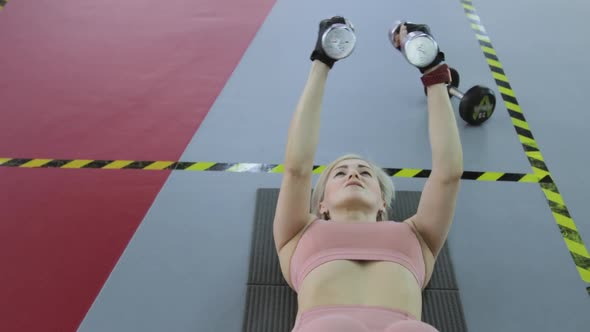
(455, 92)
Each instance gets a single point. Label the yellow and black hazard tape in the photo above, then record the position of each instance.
(241, 168)
(564, 221)
(2, 4)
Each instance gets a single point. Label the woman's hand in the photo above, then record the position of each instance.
(400, 34)
(397, 37)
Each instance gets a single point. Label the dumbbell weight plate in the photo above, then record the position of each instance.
(477, 105)
(455, 80)
(339, 41)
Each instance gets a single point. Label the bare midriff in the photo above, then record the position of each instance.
(368, 283)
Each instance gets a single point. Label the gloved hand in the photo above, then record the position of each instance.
(318, 53)
(400, 33)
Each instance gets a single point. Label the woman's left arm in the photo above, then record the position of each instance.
(437, 203)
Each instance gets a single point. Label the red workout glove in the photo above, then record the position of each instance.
(442, 74)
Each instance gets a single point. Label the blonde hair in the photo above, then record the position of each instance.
(385, 183)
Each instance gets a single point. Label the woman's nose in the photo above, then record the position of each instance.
(353, 173)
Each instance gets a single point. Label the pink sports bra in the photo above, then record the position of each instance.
(325, 241)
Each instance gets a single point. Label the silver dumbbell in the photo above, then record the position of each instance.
(339, 40)
(419, 48)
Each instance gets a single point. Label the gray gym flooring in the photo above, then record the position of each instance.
(187, 265)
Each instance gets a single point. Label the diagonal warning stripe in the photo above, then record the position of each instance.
(35, 163)
(568, 229)
(76, 164)
(243, 168)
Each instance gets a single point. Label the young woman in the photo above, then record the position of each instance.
(354, 269)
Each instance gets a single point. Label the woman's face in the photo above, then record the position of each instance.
(340, 192)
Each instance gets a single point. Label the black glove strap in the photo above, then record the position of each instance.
(322, 57)
(337, 19)
(418, 27)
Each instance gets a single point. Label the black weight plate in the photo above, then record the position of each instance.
(455, 78)
(478, 105)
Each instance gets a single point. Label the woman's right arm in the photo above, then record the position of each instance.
(292, 212)
(304, 130)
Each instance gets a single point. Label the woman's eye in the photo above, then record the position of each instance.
(365, 172)
(339, 173)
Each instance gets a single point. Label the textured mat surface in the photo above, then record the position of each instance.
(272, 306)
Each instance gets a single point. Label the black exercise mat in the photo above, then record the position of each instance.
(272, 306)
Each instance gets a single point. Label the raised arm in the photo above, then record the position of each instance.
(437, 204)
(447, 154)
(293, 204)
(304, 129)
(436, 209)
